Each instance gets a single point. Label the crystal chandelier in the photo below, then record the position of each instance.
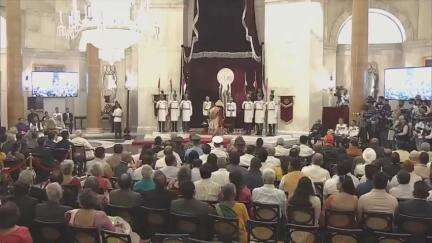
(110, 25)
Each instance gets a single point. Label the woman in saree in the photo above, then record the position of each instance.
(229, 208)
(216, 118)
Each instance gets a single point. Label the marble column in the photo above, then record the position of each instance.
(94, 122)
(15, 100)
(359, 54)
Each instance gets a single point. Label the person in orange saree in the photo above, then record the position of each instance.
(229, 208)
(216, 119)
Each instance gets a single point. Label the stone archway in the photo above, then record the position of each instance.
(406, 23)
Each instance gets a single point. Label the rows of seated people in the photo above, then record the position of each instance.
(233, 193)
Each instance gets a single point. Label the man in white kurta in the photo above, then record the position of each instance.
(174, 109)
(186, 110)
(231, 114)
(58, 118)
(272, 115)
(207, 104)
(248, 108)
(162, 112)
(260, 107)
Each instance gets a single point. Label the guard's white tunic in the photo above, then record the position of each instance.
(174, 110)
(231, 109)
(162, 108)
(272, 111)
(186, 108)
(206, 108)
(248, 107)
(259, 111)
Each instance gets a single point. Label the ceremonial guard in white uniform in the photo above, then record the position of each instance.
(248, 108)
(174, 107)
(259, 106)
(272, 115)
(186, 110)
(162, 112)
(231, 114)
(207, 104)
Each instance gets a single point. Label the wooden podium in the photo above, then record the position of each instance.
(331, 115)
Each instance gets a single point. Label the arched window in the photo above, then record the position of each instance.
(384, 27)
(2, 32)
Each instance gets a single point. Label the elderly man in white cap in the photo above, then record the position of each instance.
(369, 156)
(218, 149)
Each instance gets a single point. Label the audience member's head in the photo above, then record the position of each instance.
(250, 149)
(403, 177)
(205, 171)
(41, 141)
(184, 174)
(187, 189)
(370, 171)
(408, 165)
(146, 157)
(255, 164)
(380, 181)
(294, 152)
(9, 214)
(99, 152)
(193, 155)
(158, 141)
(159, 180)
(262, 155)
(318, 159)
(54, 192)
(425, 147)
(303, 139)
(20, 189)
(170, 160)
(343, 168)
(64, 135)
(78, 133)
(196, 163)
(303, 192)
(295, 165)
(27, 176)
(228, 192)
(217, 141)
(395, 158)
(414, 156)
(369, 155)
(236, 177)
(280, 142)
(212, 160)
(347, 185)
(96, 170)
(147, 172)
(118, 148)
(271, 151)
(168, 150)
(239, 144)
(92, 183)
(421, 190)
(125, 182)
(259, 143)
(234, 158)
(268, 176)
(88, 199)
(424, 158)
(126, 157)
(206, 148)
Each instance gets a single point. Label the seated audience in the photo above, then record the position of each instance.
(125, 165)
(184, 174)
(45, 154)
(280, 149)
(25, 203)
(243, 193)
(157, 145)
(418, 206)
(125, 197)
(378, 200)
(146, 158)
(367, 186)
(234, 159)
(345, 199)
(52, 210)
(229, 208)
(353, 149)
(67, 168)
(271, 162)
(421, 168)
(305, 150)
(10, 232)
(315, 171)
(146, 183)
(159, 197)
(253, 178)
(168, 151)
(289, 181)
(92, 183)
(192, 155)
(99, 158)
(212, 162)
(404, 190)
(369, 156)
(195, 139)
(79, 140)
(171, 169)
(64, 143)
(88, 215)
(343, 168)
(218, 149)
(31, 138)
(206, 151)
(246, 158)
(304, 196)
(190, 206)
(206, 189)
(268, 193)
(196, 165)
(408, 166)
(97, 172)
(221, 176)
(28, 176)
(115, 159)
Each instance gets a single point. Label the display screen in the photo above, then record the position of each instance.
(406, 83)
(54, 84)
